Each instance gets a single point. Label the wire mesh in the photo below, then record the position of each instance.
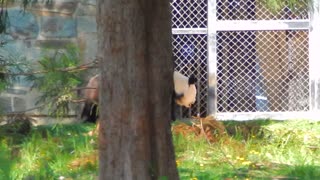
(257, 71)
(260, 71)
(189, 14)
(190, 57)
(256, 10)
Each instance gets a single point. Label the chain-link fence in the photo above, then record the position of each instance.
(189, 14)
(190, 48)
(262, 71)
(190, 52)
(255, 10)
(261, 58)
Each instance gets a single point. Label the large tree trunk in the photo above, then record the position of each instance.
(135, 139)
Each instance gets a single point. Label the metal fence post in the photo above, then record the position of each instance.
(212, 58)
(314, 61)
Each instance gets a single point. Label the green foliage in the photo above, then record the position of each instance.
(58, 80)
(4, 19)
(163, 178)
(294, 5)
(5, 161)
(25, 3)
(3, 84)
(55, 75)
(12, 63)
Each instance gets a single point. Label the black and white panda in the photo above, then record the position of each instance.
(91, 95)
(184, 94)
(185, 91)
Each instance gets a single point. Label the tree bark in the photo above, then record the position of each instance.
(135, 140)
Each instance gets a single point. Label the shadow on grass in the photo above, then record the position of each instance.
(48, 148)
(16, 134)
(247, 129)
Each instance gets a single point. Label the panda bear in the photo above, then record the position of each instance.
(184, 94)
(185, 91)
(91, 95)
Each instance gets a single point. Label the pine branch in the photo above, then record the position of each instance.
(68, 69)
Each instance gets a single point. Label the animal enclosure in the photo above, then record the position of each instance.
(252, 62)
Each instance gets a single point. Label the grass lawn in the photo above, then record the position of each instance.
(261, 149)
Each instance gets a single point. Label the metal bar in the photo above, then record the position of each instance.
(261, 25)
(314, 63)
(212, 58)
(198, 60)
(267, 115)
(189, 30)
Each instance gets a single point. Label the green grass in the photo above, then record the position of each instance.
(49, 152)
(261, 149)
(253, 150)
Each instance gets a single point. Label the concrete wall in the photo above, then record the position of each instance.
(42, 26)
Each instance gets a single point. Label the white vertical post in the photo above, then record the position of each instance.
(212, 57)
(314, 58)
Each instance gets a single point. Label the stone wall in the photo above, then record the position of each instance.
(42, 26)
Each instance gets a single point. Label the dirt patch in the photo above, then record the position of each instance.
(207, 127)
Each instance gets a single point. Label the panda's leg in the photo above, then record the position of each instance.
(94, 114)
(176, 98)
(86, 110)
(173, 112)
(90, 112)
